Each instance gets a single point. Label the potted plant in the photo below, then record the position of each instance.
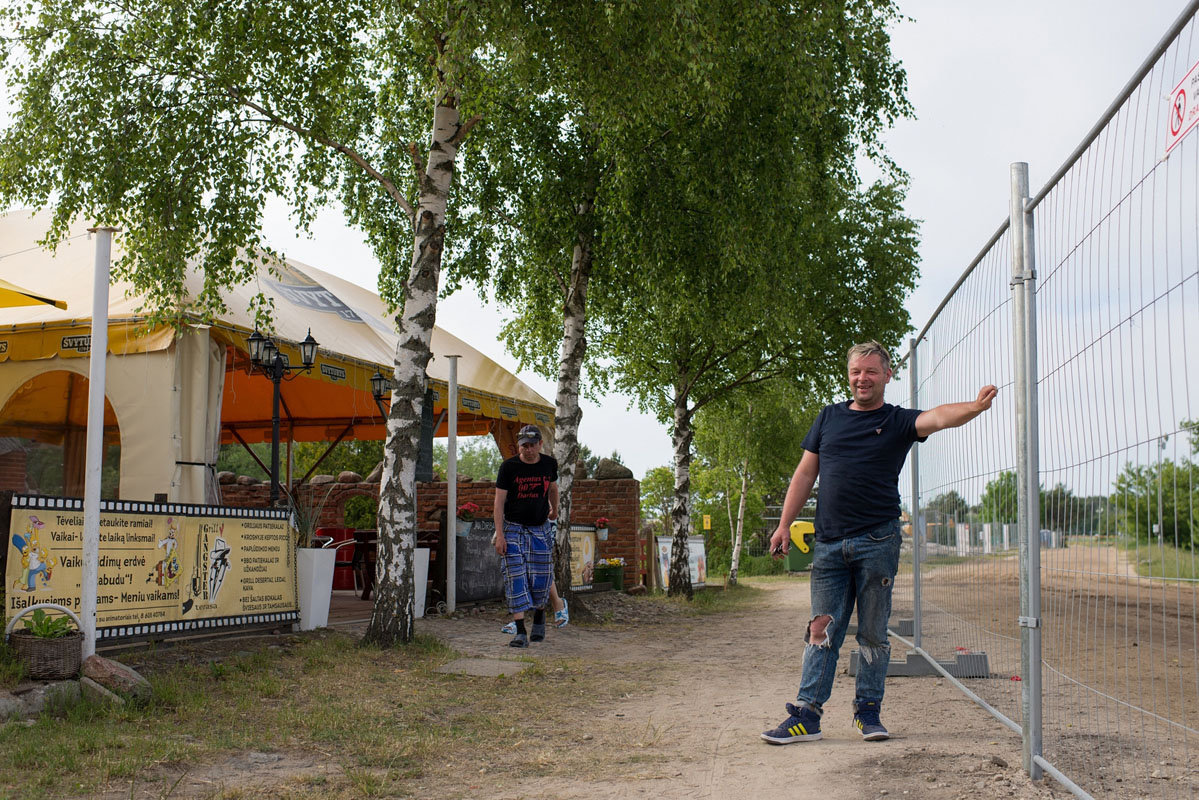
(610, 570)
(47, 646)
(314, 562)
(601, 529)
(465, 518)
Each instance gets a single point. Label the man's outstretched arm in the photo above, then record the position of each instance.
(953, 415)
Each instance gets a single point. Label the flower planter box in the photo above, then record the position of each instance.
(609, 574)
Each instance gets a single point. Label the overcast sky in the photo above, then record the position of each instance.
(991, 84)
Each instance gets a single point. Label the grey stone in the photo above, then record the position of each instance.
(348, 476)
(246, 480)
(609, 470)
(10, 705)
(98, 694)
(322, 480)
(34, 698)
(225, 477)
(376, 474)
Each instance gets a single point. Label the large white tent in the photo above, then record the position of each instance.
(173, 397)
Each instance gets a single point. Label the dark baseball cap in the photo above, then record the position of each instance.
(529, 433)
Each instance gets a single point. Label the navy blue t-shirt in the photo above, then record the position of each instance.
(861, 454)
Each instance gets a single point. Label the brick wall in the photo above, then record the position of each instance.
(618, 500)
(12, 471)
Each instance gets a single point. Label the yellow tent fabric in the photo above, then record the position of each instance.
(199, 387)
(12, 295)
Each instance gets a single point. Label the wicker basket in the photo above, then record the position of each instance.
(54, 659)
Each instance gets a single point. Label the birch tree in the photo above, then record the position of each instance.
(750, 442)
(593, 80)
(750, 251)
(175, 120)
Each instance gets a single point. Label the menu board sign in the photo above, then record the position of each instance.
(162, 567)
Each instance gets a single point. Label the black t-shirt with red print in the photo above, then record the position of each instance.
(528, 487)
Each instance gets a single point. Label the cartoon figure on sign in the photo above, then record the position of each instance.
(167, 569)
(35, 559)
(218, 565)
(664, 561)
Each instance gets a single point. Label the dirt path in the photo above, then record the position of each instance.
(695, 732)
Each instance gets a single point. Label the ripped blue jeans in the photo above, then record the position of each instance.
(857, 571)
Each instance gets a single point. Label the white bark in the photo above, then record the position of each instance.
(394, 612)
(736, 559)
(569, 414)
(680, 512)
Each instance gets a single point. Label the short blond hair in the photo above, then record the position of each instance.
(870, 348)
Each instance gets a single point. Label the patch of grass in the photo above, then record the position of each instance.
(383, 720)
(12, 671)
(1162, 561)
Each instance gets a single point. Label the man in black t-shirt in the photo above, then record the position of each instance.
(857, 448)
(526, 500)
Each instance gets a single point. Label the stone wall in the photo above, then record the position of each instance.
(618, 500)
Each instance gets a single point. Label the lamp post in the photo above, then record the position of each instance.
(379, 387)
(265, 355)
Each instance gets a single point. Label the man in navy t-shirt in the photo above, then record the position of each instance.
(857, 448)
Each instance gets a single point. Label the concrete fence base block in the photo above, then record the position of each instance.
(964, 665)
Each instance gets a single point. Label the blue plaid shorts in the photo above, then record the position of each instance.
(528, 565)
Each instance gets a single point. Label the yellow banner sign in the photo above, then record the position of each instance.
(161, 567)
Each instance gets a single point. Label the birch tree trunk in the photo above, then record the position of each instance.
(568, 413)
(393, 613)
(680, 512)
(736, 559)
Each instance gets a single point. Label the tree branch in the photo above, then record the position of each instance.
(387, 184)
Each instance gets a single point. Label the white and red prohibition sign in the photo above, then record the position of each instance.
(1183, 108)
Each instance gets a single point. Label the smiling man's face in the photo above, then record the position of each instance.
(867, 380)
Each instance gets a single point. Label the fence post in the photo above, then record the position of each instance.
(917, 527)
(1028, 490)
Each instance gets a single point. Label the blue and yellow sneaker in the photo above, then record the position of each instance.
(865, 719)
(802, 726)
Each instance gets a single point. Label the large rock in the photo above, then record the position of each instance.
(348, 476)
(116, 677)
(246, 480)
(321, 480)
(225, 477)
(609, 470)
(98, 694)
(376, 474)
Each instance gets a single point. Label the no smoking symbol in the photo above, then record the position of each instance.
(1180, 104)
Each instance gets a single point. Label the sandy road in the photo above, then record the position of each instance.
(697, 736)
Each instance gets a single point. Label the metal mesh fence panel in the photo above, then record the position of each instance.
(1117, 240)
(1116, 245)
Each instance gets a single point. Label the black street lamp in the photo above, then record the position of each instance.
(379, 387)
(266, 356)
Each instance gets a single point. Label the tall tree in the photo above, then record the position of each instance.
(998, 502)
(538, 203)
(176, 120)
(751, 441)
(750, 251)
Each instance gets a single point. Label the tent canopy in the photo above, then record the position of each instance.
(352, 325)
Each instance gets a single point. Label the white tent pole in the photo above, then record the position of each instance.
(95, 438)
(451, 476)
